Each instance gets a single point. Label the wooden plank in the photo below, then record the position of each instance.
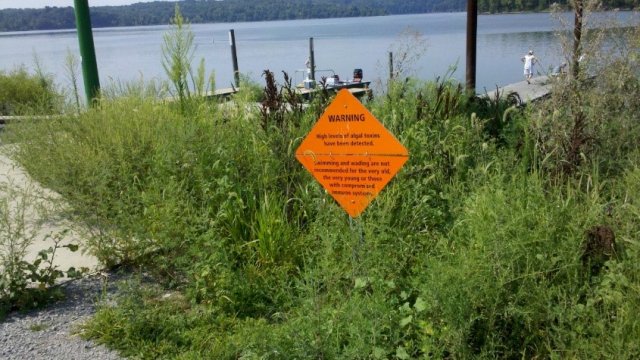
(539, 88)
(225, 91)
(359, 92)
(222, 93)
(357, 89)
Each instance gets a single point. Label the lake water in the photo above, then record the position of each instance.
(342, 44)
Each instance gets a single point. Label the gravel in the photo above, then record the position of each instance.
(50, 333)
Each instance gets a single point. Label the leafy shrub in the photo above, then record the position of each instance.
(177, 57)
(22, 93)
(592, 118)
(26, 284)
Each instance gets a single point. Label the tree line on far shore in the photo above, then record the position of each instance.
(500, 6)
(211, 11)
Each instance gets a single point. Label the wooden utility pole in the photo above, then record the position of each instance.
(577, 37)
(312, 61)
(472, 35)
(234, 57)
(87, 51)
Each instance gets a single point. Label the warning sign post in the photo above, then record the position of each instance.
(351, 153)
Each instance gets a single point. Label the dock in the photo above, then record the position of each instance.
(538, 89)
(223, 94)
(358, 92)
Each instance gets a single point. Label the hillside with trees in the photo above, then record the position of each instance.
(210, 11)
(156, 13)
(498, 6)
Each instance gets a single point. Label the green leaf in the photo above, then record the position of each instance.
(420, 305)
(378, 353)
(401, 353)
(43, 254)
(406, 321)
(405, 308)
(73, 273)
(360, 283)
(72, 247)
(427, 328)
(391, 284)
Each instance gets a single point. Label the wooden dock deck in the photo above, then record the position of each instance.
(538, 89)
(356, 91)
(225, 93)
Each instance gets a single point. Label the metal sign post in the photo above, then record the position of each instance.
(87, 51)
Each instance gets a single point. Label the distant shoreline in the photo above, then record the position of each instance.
(207, 12)
(159, 14)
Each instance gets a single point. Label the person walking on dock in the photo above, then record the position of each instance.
(529, 62)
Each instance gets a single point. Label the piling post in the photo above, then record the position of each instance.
(312, 60)
(234, 57)
(87, 51)
(577, 37)
(472, 35)
(390, 65)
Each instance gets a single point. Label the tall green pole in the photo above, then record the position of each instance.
(87, 51)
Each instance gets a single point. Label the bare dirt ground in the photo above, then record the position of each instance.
(35, 211)
(31, 221)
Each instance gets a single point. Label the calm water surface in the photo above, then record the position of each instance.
(133, 53)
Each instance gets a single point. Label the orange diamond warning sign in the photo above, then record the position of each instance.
(351, 153)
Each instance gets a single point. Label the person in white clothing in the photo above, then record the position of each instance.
(529, 62)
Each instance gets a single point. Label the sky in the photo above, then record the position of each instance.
(22, 4)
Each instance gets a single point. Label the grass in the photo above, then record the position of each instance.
(22, 93)
(39, 327)
(483, 246)
(468, 253)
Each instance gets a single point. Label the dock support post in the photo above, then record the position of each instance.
(87, 51)
(472, 34)
(234, 57)
(577, 37)
(390, 65)
(312, 60)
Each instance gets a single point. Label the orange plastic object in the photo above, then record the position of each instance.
(351, 153)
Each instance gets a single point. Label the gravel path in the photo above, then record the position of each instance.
(50, 333)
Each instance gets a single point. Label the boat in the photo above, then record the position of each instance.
(332, 82)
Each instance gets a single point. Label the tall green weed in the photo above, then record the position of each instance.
(177, 58)
(23, 93)
(593, 117)
(467, 253)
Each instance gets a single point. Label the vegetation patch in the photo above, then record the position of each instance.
(22, 92)
(485, 245)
